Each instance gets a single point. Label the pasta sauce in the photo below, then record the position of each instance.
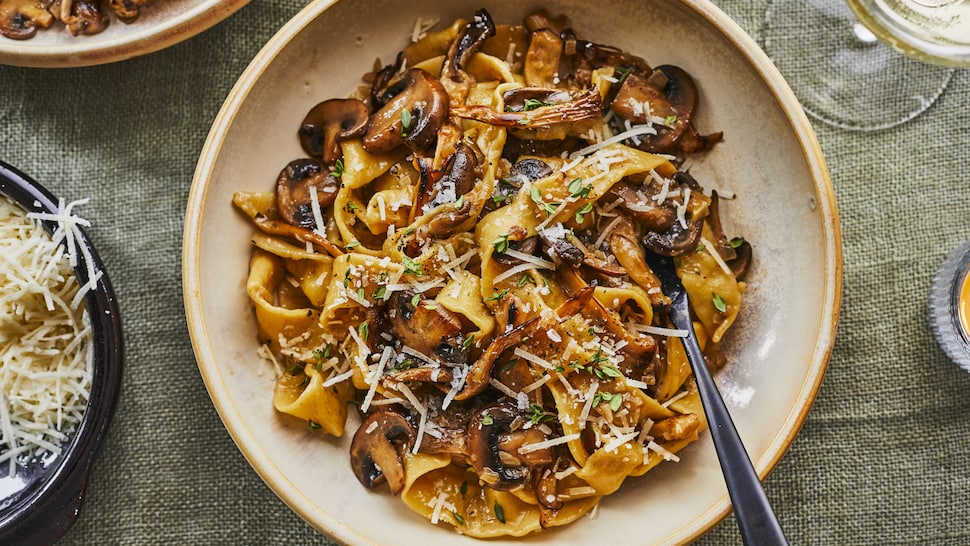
(462, 257)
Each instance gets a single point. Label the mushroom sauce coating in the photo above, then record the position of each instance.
(462, 259)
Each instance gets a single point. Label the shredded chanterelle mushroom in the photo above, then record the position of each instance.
(20, 19)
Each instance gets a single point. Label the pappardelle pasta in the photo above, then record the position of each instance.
(461, 257)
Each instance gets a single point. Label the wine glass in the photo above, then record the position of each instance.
(850, 72)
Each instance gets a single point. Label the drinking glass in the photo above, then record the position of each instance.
(868, 64)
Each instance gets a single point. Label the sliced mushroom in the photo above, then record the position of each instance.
(679, 238)
(481, 371)
(458, 177)
(741, 262)
(328, 124)
(19, 19)
(580, 106)
(495, 451)
(640, 202)
(426, 103)
(82, 16)
(737, 253)
(624, 246)
(128, 10)
(427, 327)
(380, 90)
(477, 31)
(424, 374)
(546, 489)
(376, 452)
(293, 191)
(303, 235)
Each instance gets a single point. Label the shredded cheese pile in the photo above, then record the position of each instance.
(46, 349)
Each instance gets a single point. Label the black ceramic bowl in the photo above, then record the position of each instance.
(40, 505)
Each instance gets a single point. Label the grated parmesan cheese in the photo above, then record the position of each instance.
(46, 347)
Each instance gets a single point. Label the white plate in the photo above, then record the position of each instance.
(769, 158)
(164, 23)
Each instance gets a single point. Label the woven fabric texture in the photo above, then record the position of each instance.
(883, 458)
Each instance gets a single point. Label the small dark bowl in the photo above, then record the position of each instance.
(41, 508)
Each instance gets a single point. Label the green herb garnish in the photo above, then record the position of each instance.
(501, 243)
(583, 211)
(499, 512)
(406, 120)
(412, 267)
(719, 303)
(498, 295)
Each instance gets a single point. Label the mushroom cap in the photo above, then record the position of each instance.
(426, 103)
(490, 436)
(19, 19)
(377, 449)
(293, 191)
(670, 92)
(329, 123)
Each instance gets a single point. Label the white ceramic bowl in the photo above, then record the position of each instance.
(165, 23)
(769, 158)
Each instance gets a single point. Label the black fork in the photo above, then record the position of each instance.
(753, 512)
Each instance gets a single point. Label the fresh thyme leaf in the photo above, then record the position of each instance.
(338, 168)
(498, 295)
(736, 242)
(583, 211)
(314, 425)
(380, 292)
(406, 120)
(501, 243)
(415, 300)
(719, 303)
(487, 420)
(616, 402)
(363, 330)
(412, 267)
(499, 512)
(352, 244)
(458, 518)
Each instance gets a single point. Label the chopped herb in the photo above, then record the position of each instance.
(412, 267)
(525, 279)
(498, 295)
(326, 351)
(536, 196)
(317, 354)
(532, 104)
(487, 420)
(523, 121)
(559, 369)
(431, 305)
(460, 202)
(499, 512)
(380, 292)
(499, 198)
(736, 242)
(352, 244)
(468, 341)
(458, 518)
(583, 211)
(338, 168)
(363, 330)
(295, 369)
(463, 489)
(616, 402)
(406, 120)
(360, 293)
(351, 207)
(579, 190)
(313, 425)
(501, 243)
(507, 365)
(670, 120)
(415, 300)
(537, 414)
(719, 303)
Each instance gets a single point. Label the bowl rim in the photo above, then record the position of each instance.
(94, 50)
(45, 510)
(824, 203)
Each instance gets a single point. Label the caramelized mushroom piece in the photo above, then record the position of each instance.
(376, 452)
(380, 90)
(670, 94)
(427, 327)
(495, 451)
(458, 176)
(425, 102)
(82, 16)
(293, 191)
(677, 239)
(128, 10)
(328, 124)
(477, 31)
(624, 246)
(640, 203)
(573, 107)
(19, 19)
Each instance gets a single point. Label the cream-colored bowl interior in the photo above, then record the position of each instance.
(769, 158)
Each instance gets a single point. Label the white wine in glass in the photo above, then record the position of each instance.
(836, 55)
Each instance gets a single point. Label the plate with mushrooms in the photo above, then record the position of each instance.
(364, 313)
(71, 33)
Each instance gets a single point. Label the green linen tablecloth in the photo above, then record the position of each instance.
(883, 458)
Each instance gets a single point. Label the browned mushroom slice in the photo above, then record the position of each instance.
(737, 252)
(546, 489)
(434, 375)
(298, 233)
(588, 56)
(678, 427)
(293, 191)
(328, 124)
(476, 32)
(458, 176)
(377, 450)
(679, 238)
(82, 16)
(624, 246)
(412, 117)
(128, 10)
(541, 19)
(381, 90)
(641, 204)
(743, 254)
(19, 19)
(496, 452)
(579, 106)
(427, 327)
(478, 375)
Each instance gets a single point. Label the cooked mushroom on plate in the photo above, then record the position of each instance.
(462, 257)
(20, 19)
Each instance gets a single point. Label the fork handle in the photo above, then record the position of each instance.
(756, 520)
